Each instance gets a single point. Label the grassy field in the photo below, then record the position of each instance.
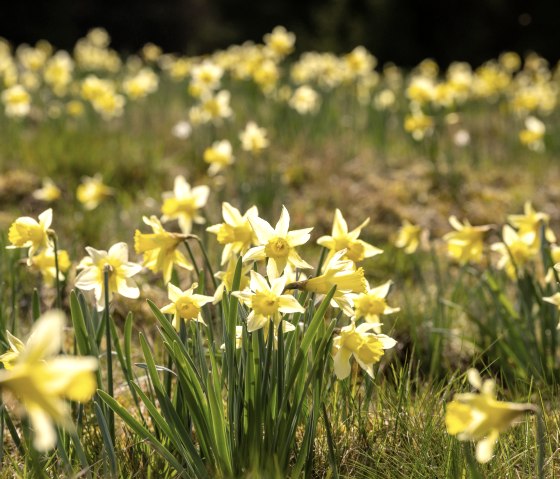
(245, 373)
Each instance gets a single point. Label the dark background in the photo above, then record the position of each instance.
(402, 31)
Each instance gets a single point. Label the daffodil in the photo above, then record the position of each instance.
(185, 305)
(120, 271)
(17, 101)
(280, 41)
(16, 347)
(366, 347)
(408, 237)
(356, 249)
(48, 193)
(516, 251)
(268, 303)
(41, 381)
(277, 244)
(340, 273)
(218, 156)
(533, 134)
(44, 262)
(228, 276)
(160, 249)
(25, 232)
(529, 225)
(372, 304)
(253, 138)
(466, 243)
(481, 417)
(236, 232)
(183, 204)
(91, 192)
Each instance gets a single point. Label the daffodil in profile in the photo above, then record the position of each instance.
(45, 263)
(529, 225)
(92, 191)
(277, 244)
(183, 204)
(115, 263)
(516, 251)
(186, 305)
(160, 248)
(466, 243)
(236, 232)
(48, 193)
(366, 347)
(26, 232)
(356, 249)
(267, 303)
(408, 237)
(340, 273)
(481, 417)
(41, 380)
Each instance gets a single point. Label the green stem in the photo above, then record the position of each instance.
(110, 413)
(57, 272)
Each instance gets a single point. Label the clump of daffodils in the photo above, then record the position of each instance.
(480, 417)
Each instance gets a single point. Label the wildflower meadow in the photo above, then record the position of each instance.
(263, 264)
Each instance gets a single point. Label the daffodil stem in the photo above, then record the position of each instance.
(57, 273)
(110, 413)
(193, 259)
(540, 444)
(207, 262)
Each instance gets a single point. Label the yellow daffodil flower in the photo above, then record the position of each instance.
(25, 232)
(183, 204)
(48, 193)
(41, 381)
(533, 133)
(481, 417)
(91, 192)
(366, 347)
(236, 232)
(44, 262)
(340, 273)
(356, 249)
(277, 244)
(529, 225)
(16, 347)
(280, 41)
(372, 304)
(466, 243)
(160, 249)
(185, 305)
(253, 138)
(227, 277)
(218, 156)
(115, 261)
(516, 251)
(17, 101)
(267, 303)
(408, 237)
